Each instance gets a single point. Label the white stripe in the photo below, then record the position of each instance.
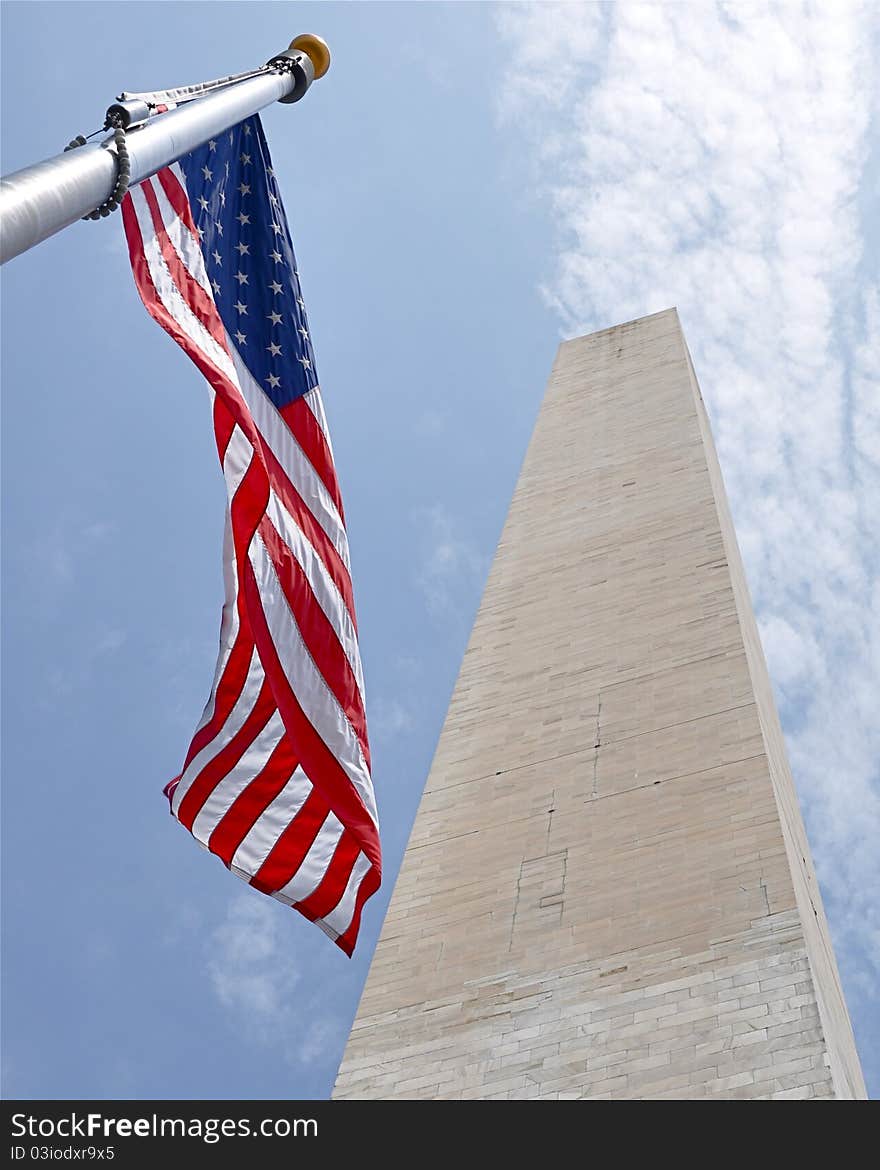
(235, 464)
(236, 460)
(271, 823)
(234, 782)
(185, 244)
(278, 438)
(317, 700)
(315, 403)
(172, 298)
(190, 255)
(228, 620)
(321, 584)
(339, 919)
(232, 725)
(233, 474)
(314, 865)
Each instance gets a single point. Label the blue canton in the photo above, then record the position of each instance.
(249, 258)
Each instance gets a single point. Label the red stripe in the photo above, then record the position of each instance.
(371, 882)
(216, 378)
(224, 427)
(318, 762)
(229, 687)
(309, 434)
(175, 188)
(311, 528)
(306, 429)
(330, 889)
(245, 512)
(232, 681)
(201, 304)
(289, 851)
(215, 771)
(318, 633)
(246, 508)
(252, 802)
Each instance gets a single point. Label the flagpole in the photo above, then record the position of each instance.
(45, 198)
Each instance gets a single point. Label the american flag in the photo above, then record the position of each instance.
(277, 779)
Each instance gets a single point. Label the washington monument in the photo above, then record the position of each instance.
(608, 891)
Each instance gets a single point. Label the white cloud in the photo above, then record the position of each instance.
(389, 718)
(710, 157)
(430, 424)
(97, 531)
(108, 641)
(451, 568)
(866, 412)
(248, 971)
(323, 1035)
(259, 985)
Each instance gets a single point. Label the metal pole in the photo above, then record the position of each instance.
(40, 200)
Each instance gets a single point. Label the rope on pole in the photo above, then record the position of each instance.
(123, 172)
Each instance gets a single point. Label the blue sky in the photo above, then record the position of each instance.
(469, 184)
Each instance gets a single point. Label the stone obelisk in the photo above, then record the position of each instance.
(608, 890)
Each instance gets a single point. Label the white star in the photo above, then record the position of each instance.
(273, 381)
(241, 277)
(276, 256)
(215, 284)
(247, 127)
(201, 232)
(276, 287)
(275, 318)
(244, 188)
(217, 257)
(306, 364)
(219, 227)
(227, 170)
(231, 138)
(240, 307)
(212, 145)
(300, 302)
(207, 173)
(274, 350)
(242, 218)
(222, 199)
(240, 338)
(242, 249)
(304, 332)
(276, 228)
(203, 203)
(245, 158)
(270, 172)
(273, 199)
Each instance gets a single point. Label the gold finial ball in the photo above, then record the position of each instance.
(315, 49)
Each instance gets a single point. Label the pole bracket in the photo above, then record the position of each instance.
(300, 66)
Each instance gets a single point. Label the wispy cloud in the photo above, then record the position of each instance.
(710, 157)
(58, 557)
(259, 985)
(390, 718)
(429, 424)
(450, 567)
(249, 973)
